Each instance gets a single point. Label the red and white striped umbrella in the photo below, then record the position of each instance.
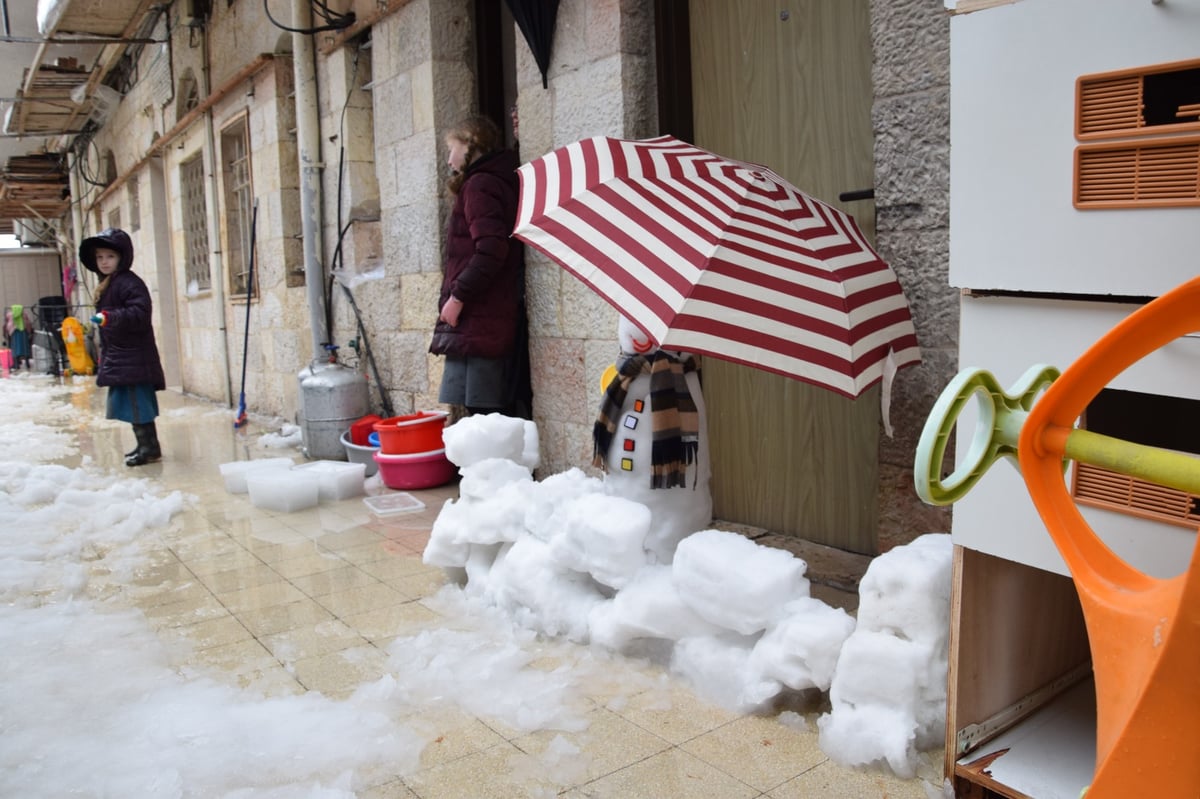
(720, 257)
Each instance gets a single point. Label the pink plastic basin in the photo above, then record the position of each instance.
(415, 470)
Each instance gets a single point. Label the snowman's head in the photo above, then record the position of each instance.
(633, 340)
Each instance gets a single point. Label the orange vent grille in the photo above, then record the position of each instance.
(1110, 105)
(1102, 488)
(1149, 173)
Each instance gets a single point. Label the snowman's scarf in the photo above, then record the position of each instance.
(674, 418)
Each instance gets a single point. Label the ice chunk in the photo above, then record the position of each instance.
(888, 695)
(528, 583)
(647, 607)
(544, 518)
(484, 478)
(801, 649)
(603, 537)
(717, 666)
(488, 435)
(735, 583)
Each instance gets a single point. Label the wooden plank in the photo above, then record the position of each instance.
(1017, 630)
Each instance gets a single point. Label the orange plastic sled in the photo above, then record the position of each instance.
(1144, 632)
(72, 336)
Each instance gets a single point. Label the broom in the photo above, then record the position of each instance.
(241, 414)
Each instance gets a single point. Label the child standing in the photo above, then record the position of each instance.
(129, 362)
(16, 331)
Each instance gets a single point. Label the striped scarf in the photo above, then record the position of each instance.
(674, 419)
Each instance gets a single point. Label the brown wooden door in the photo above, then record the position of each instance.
(789, 86)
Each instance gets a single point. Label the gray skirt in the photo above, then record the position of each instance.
(478, 383)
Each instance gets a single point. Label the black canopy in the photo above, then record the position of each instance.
(536, 19)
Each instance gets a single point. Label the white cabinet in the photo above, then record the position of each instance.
(1046, 271)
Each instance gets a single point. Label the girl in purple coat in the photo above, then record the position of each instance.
(481, 326)
(129, 362)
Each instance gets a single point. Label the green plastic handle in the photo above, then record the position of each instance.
(1001, 414)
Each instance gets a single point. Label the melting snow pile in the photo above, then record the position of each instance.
(566, 556)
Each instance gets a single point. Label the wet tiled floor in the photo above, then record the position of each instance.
(287, 603)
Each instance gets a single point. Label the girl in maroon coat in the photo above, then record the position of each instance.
(481, 321)
(129, 362)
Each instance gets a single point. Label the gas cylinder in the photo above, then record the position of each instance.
(332, 397)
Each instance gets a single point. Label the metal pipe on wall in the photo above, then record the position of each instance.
(308, 139)
(213, 209)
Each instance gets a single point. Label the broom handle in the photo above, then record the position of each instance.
(249, 288)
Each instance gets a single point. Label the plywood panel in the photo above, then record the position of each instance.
(1016, 630)
(26, 277)
(790, 89)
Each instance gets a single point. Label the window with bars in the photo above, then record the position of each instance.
(195, 224)
(1139, 131)
(114, 218)
(239, 206)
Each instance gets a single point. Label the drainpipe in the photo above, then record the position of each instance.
(308, 139)
(212, 208)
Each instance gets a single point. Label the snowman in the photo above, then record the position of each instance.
(651, 439)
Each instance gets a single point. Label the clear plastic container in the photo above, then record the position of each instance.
(393, 504)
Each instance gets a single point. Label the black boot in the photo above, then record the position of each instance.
(147, 450)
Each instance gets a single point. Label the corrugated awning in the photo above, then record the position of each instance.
(57, 96)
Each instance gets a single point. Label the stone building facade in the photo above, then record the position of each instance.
(212, 122)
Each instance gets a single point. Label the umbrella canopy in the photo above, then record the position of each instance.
(720, 257)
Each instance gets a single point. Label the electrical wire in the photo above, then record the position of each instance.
(336, 22)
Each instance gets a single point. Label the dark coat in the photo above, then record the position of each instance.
(128, 352)
(485, 266)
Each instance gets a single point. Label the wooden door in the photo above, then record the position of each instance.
(789, 86)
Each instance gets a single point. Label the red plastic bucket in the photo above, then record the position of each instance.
(417, 432)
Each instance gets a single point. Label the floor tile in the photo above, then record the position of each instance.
(312, 562)
(361, 600)
(213, 632)
(306, 642)
(489, 773)
(830, 781)
(176, 614)
(261, 596)
(761, 752)
(610, 743)
(673, 773)
(337, 673)
(452, 735)
(391, 790)
(279, 618)
(384, 624)
(674, 713)
(339, 580)
(253, 576)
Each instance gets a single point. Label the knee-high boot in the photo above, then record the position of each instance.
(148, 450)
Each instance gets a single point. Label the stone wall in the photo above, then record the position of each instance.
(911, 119)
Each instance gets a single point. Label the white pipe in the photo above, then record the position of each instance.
(212, 208)
(308, 139)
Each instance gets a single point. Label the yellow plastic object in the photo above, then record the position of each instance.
(1144, 632)
(1001, 414)
(72, 336)
(607, 377)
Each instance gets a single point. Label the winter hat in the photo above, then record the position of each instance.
(113, 239)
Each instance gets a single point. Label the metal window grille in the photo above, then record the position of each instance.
(195, 224)
(239, 200)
